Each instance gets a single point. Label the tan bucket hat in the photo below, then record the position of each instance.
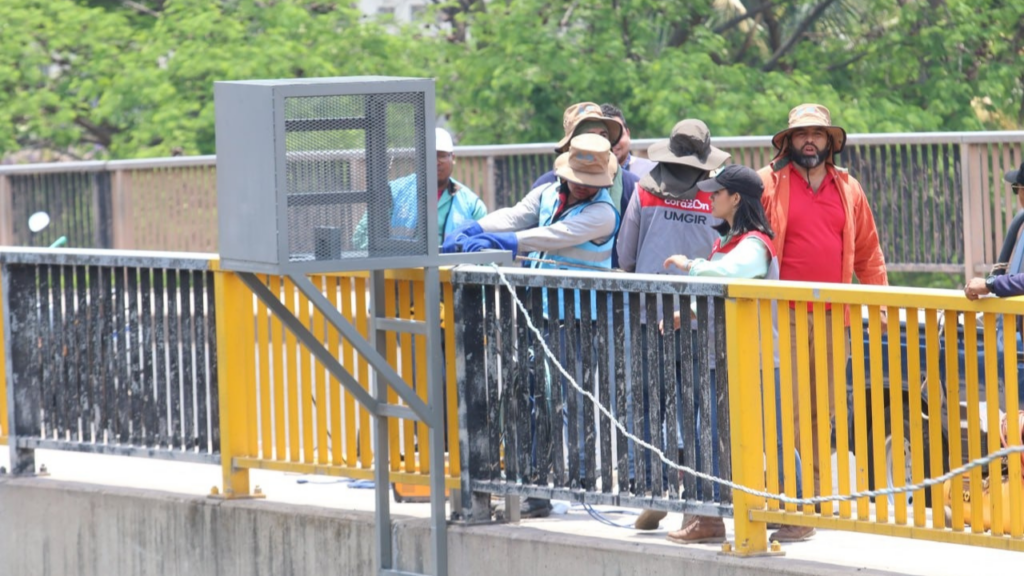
(812, 116)
(581, 112)
(689, 145)
(589, 161)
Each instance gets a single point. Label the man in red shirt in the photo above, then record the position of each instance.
(824, 232)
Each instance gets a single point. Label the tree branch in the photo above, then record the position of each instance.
(102, 134)
(735, 20)
(140, 8)
(564, 22)
(627, 42)
(681, 32)
(872, 38)
(1018, 39)
(797, 35)
(451, 14)
(772, 24)
(747, 41)
(847, 62)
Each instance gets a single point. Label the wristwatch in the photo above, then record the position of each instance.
(990, 283)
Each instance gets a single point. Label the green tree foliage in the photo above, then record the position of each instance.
(881, 65)
(138, 81)
(130, 78)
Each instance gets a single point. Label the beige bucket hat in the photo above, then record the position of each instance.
(578, 113)
(811, 116)
(589, 161)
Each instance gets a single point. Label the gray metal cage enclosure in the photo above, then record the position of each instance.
(327, 174)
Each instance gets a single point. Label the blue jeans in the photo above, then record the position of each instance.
(1000, 349)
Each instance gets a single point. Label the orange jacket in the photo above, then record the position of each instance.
(862, 254)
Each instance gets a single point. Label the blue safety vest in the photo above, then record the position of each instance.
(588, 253)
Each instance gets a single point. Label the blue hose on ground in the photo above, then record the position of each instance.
(597, 515)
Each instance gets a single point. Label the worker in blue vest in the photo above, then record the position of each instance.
(589, 118)
(570, 224)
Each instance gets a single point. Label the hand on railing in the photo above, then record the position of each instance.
(976, 288)
(681, 262)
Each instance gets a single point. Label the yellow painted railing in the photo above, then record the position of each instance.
(907, 413)
(281, 409)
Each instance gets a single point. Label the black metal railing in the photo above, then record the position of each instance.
(529, 432)
(112, 353)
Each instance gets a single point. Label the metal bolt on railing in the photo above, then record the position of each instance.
(43, 470)
(257, 491)
(776, 547)
(726, 547)
(214, 491)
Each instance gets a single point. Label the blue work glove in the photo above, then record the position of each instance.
(456, 238)
(492, 241)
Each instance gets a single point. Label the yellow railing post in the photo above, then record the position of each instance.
(236, 376)
(745, 418)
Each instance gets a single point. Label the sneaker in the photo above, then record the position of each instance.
(534, 508)
(792, 534)
(649, 519)
(699, 530)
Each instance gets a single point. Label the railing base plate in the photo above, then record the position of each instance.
(729, 550)
(216, 495)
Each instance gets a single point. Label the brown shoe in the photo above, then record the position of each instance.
(792, 534)
(649, 519)
(699, 530)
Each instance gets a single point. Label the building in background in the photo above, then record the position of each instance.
(402, 10)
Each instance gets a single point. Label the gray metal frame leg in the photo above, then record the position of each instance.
(435, 397)
(381, 475)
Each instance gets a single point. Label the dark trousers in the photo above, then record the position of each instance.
(689, 433)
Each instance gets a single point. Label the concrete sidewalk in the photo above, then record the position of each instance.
(552, 545)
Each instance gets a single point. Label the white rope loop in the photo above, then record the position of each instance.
(782, 497)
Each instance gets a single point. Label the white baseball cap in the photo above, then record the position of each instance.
(443, 140)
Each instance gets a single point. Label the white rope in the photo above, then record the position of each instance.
(724, 482)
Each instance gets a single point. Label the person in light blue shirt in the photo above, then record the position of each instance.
(456, 203)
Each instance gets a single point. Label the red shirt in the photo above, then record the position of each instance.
(813, 250)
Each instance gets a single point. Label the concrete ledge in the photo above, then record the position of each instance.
(55, 528)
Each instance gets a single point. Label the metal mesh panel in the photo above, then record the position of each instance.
(78, 204)
(356, 176)
(168, 208)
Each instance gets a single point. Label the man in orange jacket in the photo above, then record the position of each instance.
(824, 232)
